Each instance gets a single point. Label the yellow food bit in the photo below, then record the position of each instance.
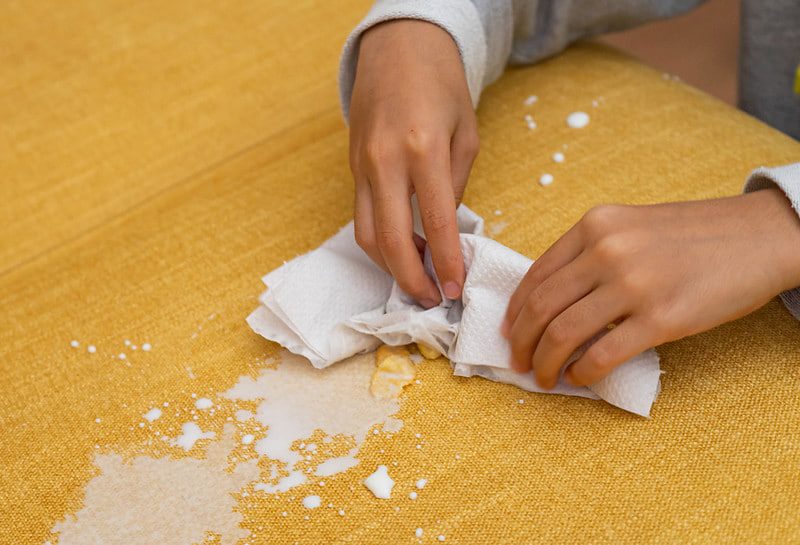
(394, 371)
(427, 352)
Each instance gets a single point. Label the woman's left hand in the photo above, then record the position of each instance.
(657, 272)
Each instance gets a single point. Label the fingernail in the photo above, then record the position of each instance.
(428, 303)
(451, 290)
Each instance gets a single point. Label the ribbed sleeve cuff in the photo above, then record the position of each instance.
(458, 17)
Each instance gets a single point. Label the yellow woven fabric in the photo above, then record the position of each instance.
(158, 157)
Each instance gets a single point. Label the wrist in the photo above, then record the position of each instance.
(780, 225)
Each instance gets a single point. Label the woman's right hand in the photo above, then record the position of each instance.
(412, 130)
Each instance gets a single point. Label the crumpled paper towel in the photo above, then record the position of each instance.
(333, 302)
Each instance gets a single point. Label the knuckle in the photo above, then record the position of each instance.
(420, 143)
(435, 220)
(610, 249)
(389, 239)
(599, 358)
(376, 151)
(600, 219)
(535, 306)
(558, 332)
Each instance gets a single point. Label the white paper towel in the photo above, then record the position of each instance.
(333, 302)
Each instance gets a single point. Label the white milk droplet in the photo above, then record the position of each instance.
(146, 347)
(418, 532)
(122, 356)
(441, 537)
(558, 157)
(413, 495)
(312, 502)
(379, 483)
(191, 434)
(97, 420)
(421, 483)
(127, 342)
(203, 403)
(578, 120)
(152, 415)
(530, 100)
(546, 179)
(91, 349)
(74, 344)
(247, 439)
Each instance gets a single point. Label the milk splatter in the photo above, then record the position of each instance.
(312, 502)
(199, 494)
(546, 179)
(558, 157)
(295, 400)
(203, 403)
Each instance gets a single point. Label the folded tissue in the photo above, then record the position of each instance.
(333, 303)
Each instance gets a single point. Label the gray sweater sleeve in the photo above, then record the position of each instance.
(492, 33)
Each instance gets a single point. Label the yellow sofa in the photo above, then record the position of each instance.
(158, 157)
